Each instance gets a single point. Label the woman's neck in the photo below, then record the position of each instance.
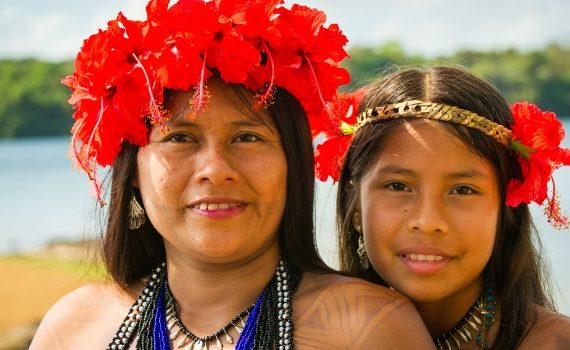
(441, 315)
(209, 295)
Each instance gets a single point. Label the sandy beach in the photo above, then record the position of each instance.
(35, 281)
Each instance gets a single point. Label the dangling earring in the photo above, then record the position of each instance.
(361, 251)
(136, 214)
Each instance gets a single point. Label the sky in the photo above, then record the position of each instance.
(54, 30)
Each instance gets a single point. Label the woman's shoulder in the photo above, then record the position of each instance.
(88, 315)
(551, 330)
(334, 311)
(319, 286)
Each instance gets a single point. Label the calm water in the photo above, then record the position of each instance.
(43, 198)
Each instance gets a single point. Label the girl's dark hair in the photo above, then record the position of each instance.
(515, 267)
(131, 254)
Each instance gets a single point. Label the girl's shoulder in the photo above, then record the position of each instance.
(86, 318)
(550, 331)
(333, 311)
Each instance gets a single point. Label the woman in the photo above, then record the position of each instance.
(432, 201)
(209, 237)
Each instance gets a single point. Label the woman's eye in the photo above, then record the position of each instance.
(463, 190)
(180, 138)
(397, 186)
(247, 138)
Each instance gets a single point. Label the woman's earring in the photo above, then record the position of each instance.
(136, 214)
(361, 251)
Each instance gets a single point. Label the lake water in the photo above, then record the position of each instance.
(43, 199)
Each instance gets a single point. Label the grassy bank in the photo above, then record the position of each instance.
(34, 282)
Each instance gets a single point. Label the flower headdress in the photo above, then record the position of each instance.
(535, 137)
(122, 71)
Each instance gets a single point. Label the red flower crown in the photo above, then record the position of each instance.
(535, 137)
(122, 71)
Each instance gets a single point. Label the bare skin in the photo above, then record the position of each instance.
(330, 312)
(551, 331)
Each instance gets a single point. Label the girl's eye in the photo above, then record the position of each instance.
(463, 190)
(397, 186)
(247, 138)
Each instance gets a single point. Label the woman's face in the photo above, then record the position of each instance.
(215, 187)
(429, 209)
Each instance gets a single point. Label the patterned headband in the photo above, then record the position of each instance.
(435, 111)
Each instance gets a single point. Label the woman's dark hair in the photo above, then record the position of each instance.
(515, 267)
(131, 254)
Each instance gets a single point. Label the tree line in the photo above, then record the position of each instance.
(34, 103)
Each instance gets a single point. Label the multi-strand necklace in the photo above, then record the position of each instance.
(153, 318)
(477, 320)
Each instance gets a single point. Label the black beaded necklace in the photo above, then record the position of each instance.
(273, 329)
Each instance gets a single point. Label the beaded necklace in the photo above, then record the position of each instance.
(478, 318)
(269, 324)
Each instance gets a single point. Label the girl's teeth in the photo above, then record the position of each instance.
(423, 257)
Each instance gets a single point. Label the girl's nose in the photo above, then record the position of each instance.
(428, 215)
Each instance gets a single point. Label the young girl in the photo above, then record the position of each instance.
(432, 201)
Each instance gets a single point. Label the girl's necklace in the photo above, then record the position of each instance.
(476, 321)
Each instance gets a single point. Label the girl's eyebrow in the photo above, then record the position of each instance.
(394, 169)
(468, 173)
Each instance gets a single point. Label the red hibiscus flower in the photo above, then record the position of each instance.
(306, 61)
(338, 124)
(542, 133)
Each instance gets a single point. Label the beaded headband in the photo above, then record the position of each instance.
(122, 71)
(535, 137)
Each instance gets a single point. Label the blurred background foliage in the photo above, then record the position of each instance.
(34, 103)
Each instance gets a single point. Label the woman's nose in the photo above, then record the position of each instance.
(214, 164)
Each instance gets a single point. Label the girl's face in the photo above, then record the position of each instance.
(215, 187)
(429, 209)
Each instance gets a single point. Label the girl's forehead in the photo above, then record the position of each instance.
(423, 134)
(429, 144)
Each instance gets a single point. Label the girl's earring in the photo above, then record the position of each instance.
(361, 251)
(136, 214)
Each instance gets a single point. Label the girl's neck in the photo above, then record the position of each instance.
(209, 295)
(441, 315)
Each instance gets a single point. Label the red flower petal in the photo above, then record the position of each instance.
(329, 157)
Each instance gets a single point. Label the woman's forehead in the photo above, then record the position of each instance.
(223, 99)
